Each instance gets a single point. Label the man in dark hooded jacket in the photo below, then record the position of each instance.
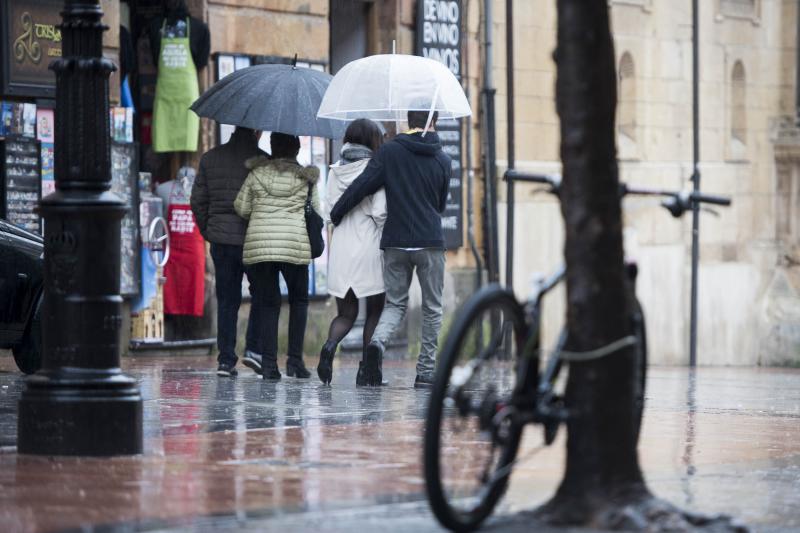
(415, 173)
(221, 175)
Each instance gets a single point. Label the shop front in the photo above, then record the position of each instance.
(168, 52)
(31, 40)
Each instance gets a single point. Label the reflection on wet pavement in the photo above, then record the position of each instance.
(247, 452)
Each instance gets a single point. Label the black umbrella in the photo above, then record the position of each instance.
(282, 98)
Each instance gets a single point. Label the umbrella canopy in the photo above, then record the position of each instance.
(386, 87)
(281, 98)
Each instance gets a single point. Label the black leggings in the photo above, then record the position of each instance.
(347, 309)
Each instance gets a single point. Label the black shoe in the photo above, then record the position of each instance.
(361, 379)
(252, 360)
(370, 371)
(423, 382)
(226, 371)
(325, 366)
(295, 368)
(270, 370)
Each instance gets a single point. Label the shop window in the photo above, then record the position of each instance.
(738, 108)
(626, 107)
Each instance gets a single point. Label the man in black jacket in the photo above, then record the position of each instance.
(415, 173)
(221, 175)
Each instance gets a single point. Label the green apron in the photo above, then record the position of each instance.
(175, 127)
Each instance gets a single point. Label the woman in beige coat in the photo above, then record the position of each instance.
(355, 262)
(272, 200)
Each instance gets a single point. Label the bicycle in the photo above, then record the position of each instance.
(488, 385)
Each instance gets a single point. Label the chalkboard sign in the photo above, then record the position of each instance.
(439, 38)
(125, 183)
(452, 220)
(21, 182)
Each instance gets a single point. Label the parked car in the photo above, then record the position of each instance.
(21, 279)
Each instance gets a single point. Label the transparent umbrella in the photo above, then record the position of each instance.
(385, 87)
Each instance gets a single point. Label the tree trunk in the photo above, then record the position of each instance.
(602, 471)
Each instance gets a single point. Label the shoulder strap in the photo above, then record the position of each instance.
(308, 197)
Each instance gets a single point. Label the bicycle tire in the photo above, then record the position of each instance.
(490, 299)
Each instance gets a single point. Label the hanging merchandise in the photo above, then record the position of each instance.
(175, 127)
(185, 270)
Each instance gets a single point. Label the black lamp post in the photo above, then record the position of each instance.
(81, 403)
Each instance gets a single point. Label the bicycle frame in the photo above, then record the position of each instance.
(545, 406)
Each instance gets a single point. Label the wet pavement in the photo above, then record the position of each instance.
(243, 454)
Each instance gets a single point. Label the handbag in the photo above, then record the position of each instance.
(314, 226)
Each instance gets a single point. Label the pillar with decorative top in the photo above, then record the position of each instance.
(80, 402)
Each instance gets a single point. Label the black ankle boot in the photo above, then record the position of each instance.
(325, 366)
(269, 369)
(370, 370)
(295, 368)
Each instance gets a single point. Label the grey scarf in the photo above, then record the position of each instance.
(352, 152)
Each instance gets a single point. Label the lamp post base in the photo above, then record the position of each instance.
(80, 413)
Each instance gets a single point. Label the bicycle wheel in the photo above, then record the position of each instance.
(640, 332)
(470, 442)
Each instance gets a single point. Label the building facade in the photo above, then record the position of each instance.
(749, 309)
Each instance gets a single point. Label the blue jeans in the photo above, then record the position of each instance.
(266, 307)
(229, 270)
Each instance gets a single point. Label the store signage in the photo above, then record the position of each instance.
(439, 32)
(439, 38)
(31, 40)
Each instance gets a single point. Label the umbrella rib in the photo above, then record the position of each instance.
(243, 93)
(346, 84)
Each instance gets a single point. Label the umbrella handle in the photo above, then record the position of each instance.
(430, 112)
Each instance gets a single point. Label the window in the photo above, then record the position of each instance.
(646, 5)
(626, 107)
(739, 9)
(738, 108)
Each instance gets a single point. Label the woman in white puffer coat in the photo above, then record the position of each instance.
(355, 261)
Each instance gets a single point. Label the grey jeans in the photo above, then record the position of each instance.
(398, 269)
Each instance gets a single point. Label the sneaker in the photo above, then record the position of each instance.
(252, 361)
(370, 371)
(423, 382)
(226, 371)
(295, 368)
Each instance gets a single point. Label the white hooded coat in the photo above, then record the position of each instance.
(355, 260)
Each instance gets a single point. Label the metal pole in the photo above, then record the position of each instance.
(511, 136)
(696, 180)
(797, 67)
(491, 150)
(81, 403)
(473, 245)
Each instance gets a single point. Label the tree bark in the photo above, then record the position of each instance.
(602, 471)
